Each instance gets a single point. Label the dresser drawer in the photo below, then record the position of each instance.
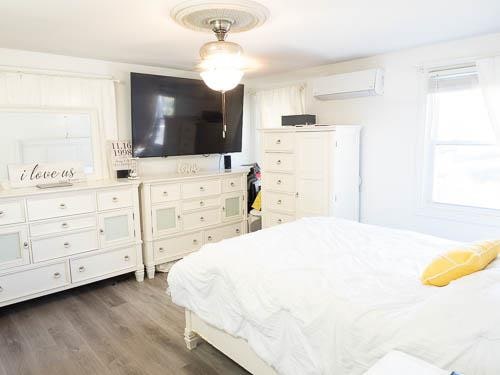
(201, 219)
(165, 193)
(232, 184)
(61, 226)
(278, 201)
(274, 218)
(201, 189)
(94, 266)
(113, 199)
(173, 248)
(279, 162)
(62, 205)
(12, 212)
(37, 280)
(60, 246)
(279, 142)
(221, 233)
(279, 182)
(200, 203)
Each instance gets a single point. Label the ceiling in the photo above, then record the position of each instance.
(298, 34)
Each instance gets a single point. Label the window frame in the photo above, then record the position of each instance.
(425, 164)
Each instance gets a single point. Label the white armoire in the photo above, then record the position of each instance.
(310, 171)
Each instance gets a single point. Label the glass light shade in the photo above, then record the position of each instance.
(222, 65)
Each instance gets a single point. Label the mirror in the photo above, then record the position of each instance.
(48, 136)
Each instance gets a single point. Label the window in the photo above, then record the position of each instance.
(463, 157)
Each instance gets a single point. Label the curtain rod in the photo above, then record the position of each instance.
(54, 73)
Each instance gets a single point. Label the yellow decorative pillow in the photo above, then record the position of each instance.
(460, 262)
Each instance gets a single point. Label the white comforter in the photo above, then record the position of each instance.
(328, 296)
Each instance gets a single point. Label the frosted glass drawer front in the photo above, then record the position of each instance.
(274, 218)
(60, 246)
(278, 201)
(232, 184)
(221, 233)
(201, 203)
(279, 141)
(280, 182)
(102, 264)
(11, 212)
(61, 226)
(201, 219)
(201, 189)
(166, 218)
(174, 248)
(14, 247)
(109, 200)
(279, 162)
(62, 205)
(24, 283)
(116, 227)
(165, 193)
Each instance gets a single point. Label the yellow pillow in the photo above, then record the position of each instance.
(460, 262)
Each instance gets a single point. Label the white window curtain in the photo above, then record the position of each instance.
(271, 104)
(489, 81)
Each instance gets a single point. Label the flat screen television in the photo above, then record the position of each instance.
(179, 116)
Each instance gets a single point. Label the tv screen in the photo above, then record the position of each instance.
(180, 116)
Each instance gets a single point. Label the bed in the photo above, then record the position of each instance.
(330, 296)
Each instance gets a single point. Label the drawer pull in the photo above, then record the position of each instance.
(62, 206)
(202, 219)
(165, 193)
(67, 245)
(238, 230)
(1, 289)
(2, 213)
(279, 201)
(209, 238)
(195, 241)
(202, 188)
(278, 141)
(278, 182)
(202, 203)
(81, 269)
(64, 225)
(279, 221)
(115, 199)
(101, 231)
(179, 217)
(278, 162)
(126, 258)
(26, 245)
(232, 184)
(57, 275)
(161, 249)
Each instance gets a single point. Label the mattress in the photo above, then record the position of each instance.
(330, 296)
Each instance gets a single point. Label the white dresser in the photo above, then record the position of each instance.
(310, 171)
(181, 213)
(55, 239)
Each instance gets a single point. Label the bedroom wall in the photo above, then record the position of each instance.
(390, 152)
(121, 72)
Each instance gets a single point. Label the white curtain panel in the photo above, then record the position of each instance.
(489, 80)
(271, 104)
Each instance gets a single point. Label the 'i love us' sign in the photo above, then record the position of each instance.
(25, 175)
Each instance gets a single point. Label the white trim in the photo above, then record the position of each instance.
(54, 73)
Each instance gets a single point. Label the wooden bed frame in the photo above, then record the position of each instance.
(234, 347)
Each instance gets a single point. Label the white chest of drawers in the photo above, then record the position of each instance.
(181, 213)
(55, 239)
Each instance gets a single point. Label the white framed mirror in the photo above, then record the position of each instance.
(42, 135)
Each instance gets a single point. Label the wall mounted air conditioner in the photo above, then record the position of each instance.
(349, 85)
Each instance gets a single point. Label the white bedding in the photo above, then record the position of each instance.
(329, 296)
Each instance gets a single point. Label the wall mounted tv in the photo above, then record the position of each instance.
(179, 116)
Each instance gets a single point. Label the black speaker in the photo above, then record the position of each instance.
(294, 120)
(227, 162)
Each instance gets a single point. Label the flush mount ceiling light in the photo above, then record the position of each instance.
(222, 63)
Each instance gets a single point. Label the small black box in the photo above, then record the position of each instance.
(294, 120)
(227, 162)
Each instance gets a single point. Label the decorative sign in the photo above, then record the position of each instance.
(120, 155)
(187, 167)
(25, 175)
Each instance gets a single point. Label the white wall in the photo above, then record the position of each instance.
(392, 127)
(121, 72)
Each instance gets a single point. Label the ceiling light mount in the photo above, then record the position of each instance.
(221, 27)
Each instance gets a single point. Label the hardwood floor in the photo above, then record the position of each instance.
(116, 326)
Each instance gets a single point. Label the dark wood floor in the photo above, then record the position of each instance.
(115, 326)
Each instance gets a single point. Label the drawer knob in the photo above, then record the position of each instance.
(202, 219)
(81, 269)
(67, 245)
(237, 230)
(209, 238)
(202, 203)
(278, 182)
(26, 244)
(62, 206)
(1, 289)
(64, 225)
(57, 275)
(126, 258)
(115, 199)
(278, 141)
(202, 188)
(232, 184)
(278, 162)
(279, 201)
(179, 217)
(101, 231)
(2, 213)
(195, 241)
(161, 249)
(279, 221)
(165, 193)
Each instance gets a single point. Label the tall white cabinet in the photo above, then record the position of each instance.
(310, 171)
